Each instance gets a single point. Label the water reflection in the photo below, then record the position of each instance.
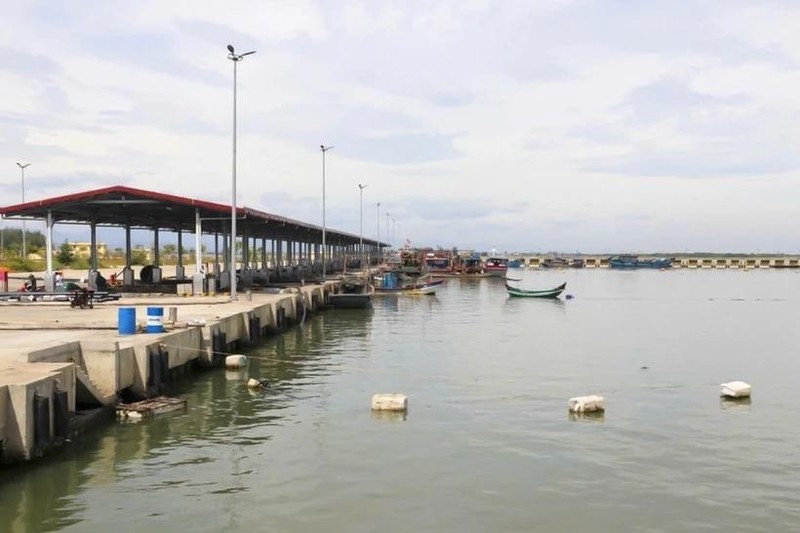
(487, 438)
(390, 416)
(739, 405)
(596, 416)
(37, 496)
(44, 495)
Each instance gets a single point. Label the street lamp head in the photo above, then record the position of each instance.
(362, 187)
(233, 56)
(325, 148)
(20, 165)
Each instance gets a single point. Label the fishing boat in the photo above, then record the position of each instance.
(496, 266)
(439, 264)
(547, 293)
(634, 261)
(355, 293)
(468, 265)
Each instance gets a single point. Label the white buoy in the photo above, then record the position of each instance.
(253, 383)
(390, 402)
(735, 389)
(587, 404)
(235, 361)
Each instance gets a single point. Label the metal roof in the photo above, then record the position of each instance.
(121, 206)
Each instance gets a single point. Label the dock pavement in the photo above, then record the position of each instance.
(55, 358)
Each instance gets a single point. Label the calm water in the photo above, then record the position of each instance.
(487, 444)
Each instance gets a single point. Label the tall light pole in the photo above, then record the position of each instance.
(324, 251)
(22, 168)
(361, 222)
(233, 56)
(380, 250)
(388, 237)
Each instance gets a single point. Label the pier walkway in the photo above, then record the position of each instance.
(56, 361)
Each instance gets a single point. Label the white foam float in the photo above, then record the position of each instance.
(587, 404)
(235, 361)
(735, 389)
(390, 402)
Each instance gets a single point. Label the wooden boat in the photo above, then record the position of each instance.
(415, 289)
(547, 293)
(356, 293)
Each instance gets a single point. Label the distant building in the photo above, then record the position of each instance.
(84, 249)
(145, 250)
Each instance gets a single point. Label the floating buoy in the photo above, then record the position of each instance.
(390, 402)
(254, 383)
(235, 361)
(587, 404)
(569, 297)
(735, 389)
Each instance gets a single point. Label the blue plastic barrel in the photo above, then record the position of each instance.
(155, 320)
(126, 323)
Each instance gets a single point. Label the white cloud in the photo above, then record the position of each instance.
(575, 125)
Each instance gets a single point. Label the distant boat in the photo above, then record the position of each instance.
(546, 293)
(497, 266)
(356, 293)
(633, 261)
(554, 262)
(439, 264)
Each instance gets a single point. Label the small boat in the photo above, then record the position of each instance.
(356, 293)
(414, 289)
(547, 293)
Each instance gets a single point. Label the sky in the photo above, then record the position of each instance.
(531, 126)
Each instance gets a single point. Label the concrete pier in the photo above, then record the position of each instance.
(56, 361)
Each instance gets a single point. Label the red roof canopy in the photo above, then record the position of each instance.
(122, 206)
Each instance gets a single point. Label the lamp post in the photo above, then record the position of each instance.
(22, 168)
(233, 56)
(379, 230)
(324, 149)
(361, 222)
(388, 237)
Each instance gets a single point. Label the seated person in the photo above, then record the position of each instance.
(30, 284)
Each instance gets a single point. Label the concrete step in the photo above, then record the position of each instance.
(87, 392)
